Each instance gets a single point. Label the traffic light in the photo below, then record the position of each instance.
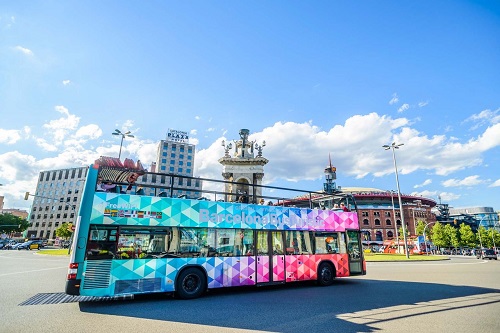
(26, 195)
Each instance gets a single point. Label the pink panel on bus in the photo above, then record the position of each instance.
(262, 269)
(278, 268)
(305, 267)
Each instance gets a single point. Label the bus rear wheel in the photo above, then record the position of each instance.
(191, 283)
(326, 274)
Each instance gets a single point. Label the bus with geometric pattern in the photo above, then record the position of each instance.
(130, 241)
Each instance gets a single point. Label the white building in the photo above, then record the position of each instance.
(56, 201)
(175, 157)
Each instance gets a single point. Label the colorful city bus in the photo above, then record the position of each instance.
(128, 242)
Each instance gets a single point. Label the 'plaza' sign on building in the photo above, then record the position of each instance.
(177, 136)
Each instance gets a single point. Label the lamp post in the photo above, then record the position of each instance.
(394, 146)
(123, 135)
(394, 219)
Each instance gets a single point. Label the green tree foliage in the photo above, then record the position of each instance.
(466, 235)
(439, 237)
(64, 231)
(10, 223)
(494, 235)
(420, 228)
(451, 235)
(482, 238)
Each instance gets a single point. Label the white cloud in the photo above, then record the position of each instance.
(9, 136)
(425, 183)
(403, 107)
(24, 50)
(447, 196)
(58, 129)
(422, 104)
(495, 183)
(66, 82)
(467, 181)
(484, 118)
(394, 99)
(197, 117)
(193, 132)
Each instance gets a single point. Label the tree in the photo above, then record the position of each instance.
(439, 237)
(420, 228)
(482, 236)
(467, 237)
(10, 223)
(64, 231)
(494, 235)
(452, 235)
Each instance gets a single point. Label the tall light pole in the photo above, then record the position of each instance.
(123, 135)
(394, 146)
(394, 219)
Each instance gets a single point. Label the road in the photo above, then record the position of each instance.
(457, 295)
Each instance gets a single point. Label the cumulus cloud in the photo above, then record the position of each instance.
(467, 181)
(66, 82)
(484, 118)
(404, 107)
(425, 183)
(495, 183)
(9, 136)
(24, 50)
(394, 99)
(58, 129)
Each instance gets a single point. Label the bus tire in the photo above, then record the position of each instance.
(326, 274)
(191, 283)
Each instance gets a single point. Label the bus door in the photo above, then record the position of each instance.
(270, 256)
(355, 253)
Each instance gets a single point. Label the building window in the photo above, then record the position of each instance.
(387, 214)
(377, 222)
(398, 223)
(172, 162)
(164, 153)
(171, 169)
(364, 214)
(376, 214)
(188, 171)
(163, 160)
(172, 155)
(388, 222)
(181, 156)
(366, 222)
(390, 234)
(163, 167)
(179, 170)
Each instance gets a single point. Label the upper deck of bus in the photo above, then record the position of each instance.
(147, 203)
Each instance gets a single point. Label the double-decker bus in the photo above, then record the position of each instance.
(142, 240)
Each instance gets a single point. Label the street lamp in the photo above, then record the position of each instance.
(394, 146)
(394, 218)
(123, 135)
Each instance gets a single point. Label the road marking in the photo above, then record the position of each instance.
(59, 298)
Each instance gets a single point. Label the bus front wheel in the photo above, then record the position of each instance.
(326, 274)
(191, 283)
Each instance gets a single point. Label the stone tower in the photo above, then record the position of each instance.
(243, 167)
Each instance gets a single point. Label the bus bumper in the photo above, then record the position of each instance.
(73, 287)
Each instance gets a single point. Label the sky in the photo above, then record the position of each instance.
(312, 78)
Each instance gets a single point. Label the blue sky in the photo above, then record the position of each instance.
(310, 78)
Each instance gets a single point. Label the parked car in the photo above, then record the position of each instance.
(30, 245)
(486, 254)
(9, 245)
